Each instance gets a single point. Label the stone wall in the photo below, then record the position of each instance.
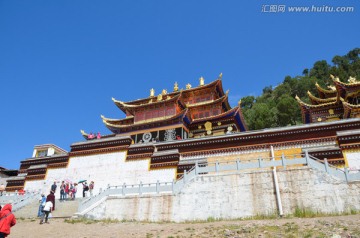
(237, 195)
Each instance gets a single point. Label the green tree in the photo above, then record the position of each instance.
(261, 116)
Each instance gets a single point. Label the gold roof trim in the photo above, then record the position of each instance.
(146, 121)
(320, 100)
(324, 90)
(207, 102)
(147, 103)
(351, 83)
(302, 103)
(349, 104)
(235, 109)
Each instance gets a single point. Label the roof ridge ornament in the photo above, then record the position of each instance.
(202, 81)
(352, 80)
(152, 92)
(334, 78)
(332, 87)
(220, 76)
(188, 86)
(176, 87)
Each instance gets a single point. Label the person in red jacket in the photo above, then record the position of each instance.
(7, 220)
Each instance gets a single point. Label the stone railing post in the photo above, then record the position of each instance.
(173, 186)
(346, 171)
(140, 188)
(326, 165)
(260, 162)
(157, 187)
(238, 165)
(307, 157)
(123, 189)
(196, 167)
(217, 166)
(283, 161)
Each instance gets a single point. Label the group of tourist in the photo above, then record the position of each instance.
(67, 191)
(7, 220)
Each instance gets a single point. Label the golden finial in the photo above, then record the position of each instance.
(239, 103)
(164, 91)
(159, 97)
(352, 79)
(227, 91)
(188, 86)
(176, 87)
(102, 117)
(152, 92)
(202, 81)
(220, 76)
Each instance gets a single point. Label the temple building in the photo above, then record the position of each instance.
(340, 101)
(163, 135)
(193, 112)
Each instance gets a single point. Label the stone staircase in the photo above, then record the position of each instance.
(62, 209)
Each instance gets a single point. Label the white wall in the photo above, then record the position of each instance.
(353, 160)
(103, 169)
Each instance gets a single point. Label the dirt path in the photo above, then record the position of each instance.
(337, 226)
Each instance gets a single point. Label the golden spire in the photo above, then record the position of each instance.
(239, 103)
(188, 86)
(164, 91)
(227, 92)
(220, 76)
(202, 81)
(176, 87)
(152, 92)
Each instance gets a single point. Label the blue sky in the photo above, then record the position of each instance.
(62, 61)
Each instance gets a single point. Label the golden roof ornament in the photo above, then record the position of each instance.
(239, 103)
(152, 92)
(352, 80)
(220, 76)
(188, 86)
(331, 87)
(202, 81)
(176, 87)
(164, 91)
(227, 92)
(159, 97)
